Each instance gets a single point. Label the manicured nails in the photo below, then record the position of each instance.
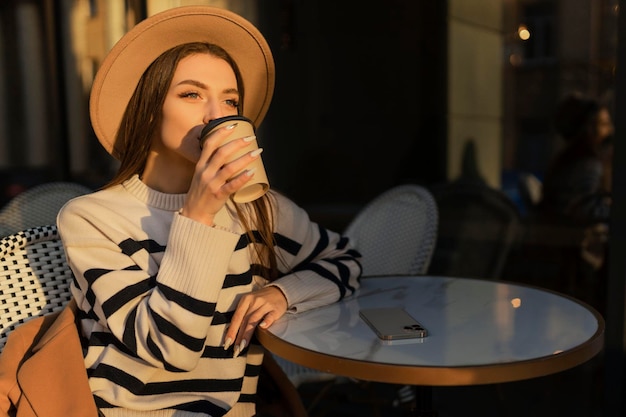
(249, 138)
(250, 172)
(227, 343)
(231, 127)
(256, 152)
(240, 348)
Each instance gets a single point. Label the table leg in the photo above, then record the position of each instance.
(423, 402)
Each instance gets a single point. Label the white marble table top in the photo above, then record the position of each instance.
(479, 332)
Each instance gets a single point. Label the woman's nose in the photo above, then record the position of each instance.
(212, 113)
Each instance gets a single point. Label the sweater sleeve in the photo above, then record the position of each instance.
(319, 265)
(157, 299)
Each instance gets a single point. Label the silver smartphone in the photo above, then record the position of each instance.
(393, 323)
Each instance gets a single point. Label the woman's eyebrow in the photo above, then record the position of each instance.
(231, 91)
(203, 86)
(194, 83)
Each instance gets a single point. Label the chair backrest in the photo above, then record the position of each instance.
(34, 277)
(396, 231)
(478, 227)
(37, 205)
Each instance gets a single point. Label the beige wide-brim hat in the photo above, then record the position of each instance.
(124, 65)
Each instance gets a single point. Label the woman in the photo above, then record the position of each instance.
(171, 276)
(577, 185)
(577, 198)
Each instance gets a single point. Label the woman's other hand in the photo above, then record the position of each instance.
(259, 308)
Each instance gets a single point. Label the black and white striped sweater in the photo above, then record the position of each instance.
(157, 290)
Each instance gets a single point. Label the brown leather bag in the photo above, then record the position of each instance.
(42, 372)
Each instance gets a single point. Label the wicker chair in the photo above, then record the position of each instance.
(34, 277)
(37, 206)
(396, 232)
(479, 227)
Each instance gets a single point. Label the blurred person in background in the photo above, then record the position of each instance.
(577, 196)
(577, 184)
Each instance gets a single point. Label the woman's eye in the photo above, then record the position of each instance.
(189, 94)
(232, 102)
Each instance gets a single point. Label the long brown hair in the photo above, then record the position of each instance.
(141, 122)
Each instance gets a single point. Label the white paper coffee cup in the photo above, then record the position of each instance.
(259, 183)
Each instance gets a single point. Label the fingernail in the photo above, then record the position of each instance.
(230, 127)
(227, 343)
(250, 172)
(249, 138)
(256, 152)
(263, 324)
(240, 348)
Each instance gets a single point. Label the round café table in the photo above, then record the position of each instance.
(480, 332)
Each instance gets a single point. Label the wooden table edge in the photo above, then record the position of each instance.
(437, 376)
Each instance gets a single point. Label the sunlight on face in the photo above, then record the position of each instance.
(203, 88)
